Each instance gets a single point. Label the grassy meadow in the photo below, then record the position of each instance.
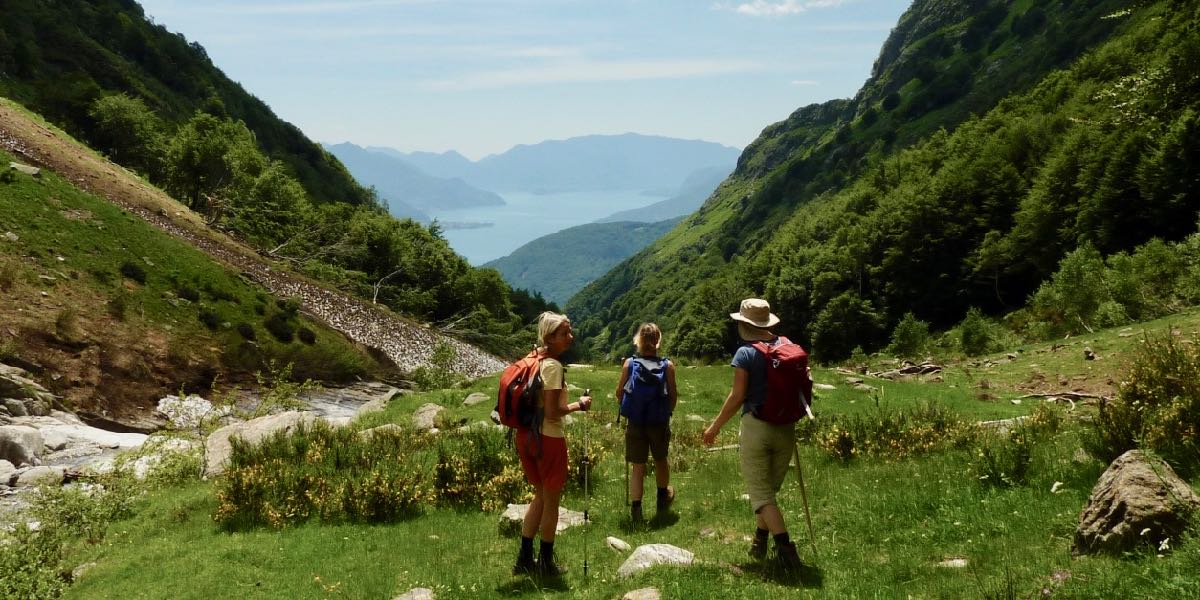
(883, 520)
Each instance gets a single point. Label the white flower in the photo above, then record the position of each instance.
(1054, 489)
(1145, 531)
(1164, 545)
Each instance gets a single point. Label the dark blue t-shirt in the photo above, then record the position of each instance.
(755, 365)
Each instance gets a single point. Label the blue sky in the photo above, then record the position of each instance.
(480, 76)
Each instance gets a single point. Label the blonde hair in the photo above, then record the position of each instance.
(647, 338)
(548, 323)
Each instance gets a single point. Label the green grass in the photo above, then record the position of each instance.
(74, 245)
(881, 524)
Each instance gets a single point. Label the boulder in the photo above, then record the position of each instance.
(217, 448)
(391, 428)
(475, 398)
(643, 594)
(35, 476)
(1138, 499)
(20, 445)
(6, 471)
(617, 544)
(416, 594)
(425, 416)
(650, 555)
(510, 521)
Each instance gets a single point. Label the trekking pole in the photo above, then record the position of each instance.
(626, 459)
(804, 495)
(587, 497)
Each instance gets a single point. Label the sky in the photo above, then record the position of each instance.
(481, 76)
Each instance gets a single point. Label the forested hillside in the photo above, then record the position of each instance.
(154, 103)
(993, 140)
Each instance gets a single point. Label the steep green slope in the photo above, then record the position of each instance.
(560, 264)
(57, 58)
(804, 221)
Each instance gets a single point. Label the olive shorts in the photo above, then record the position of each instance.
(766, 453)
(643, 440)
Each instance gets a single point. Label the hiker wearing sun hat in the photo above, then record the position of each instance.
(766, 439)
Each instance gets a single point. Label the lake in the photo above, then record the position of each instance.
(527, 216)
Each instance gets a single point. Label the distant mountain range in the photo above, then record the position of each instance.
(560, 264)
(409, 191)
(691, 194)
(628, 161)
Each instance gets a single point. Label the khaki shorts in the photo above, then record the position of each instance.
(643, 440)
(766, 454)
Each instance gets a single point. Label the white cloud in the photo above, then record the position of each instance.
(594, 71)
(768, 8)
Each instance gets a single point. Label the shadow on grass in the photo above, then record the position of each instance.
(659, 521)
(808, 575)
(521, 584)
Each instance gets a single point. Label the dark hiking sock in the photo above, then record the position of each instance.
(664, 493)
(546, 550)
(761, 534)
(636, 504)
(782, 539)
(526, 549)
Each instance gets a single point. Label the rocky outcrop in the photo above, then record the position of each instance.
(21, 396)
(425, 419)
(510, 521)
(20, 445)
(1137, 500)
(650, 555)
(218, 447)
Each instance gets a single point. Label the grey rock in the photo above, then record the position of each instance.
(20, 444)
(12, 237)
(6, 471)
(54, 440)
(617, 544)
(510, 521)
(416, 594)
(389, 428)
(35, 476)
(217, 448)
(26, 169)
(79, 571)
(1138, 499)
(425, 416)
(651, 555)
(475, 398)
(643, 594)
(15, 407)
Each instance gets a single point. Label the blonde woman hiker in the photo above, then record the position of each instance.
(767, 435)
(544, 457)
(647, 397)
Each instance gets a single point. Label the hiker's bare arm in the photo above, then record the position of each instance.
(733, 403)
(672, 391)
(620, 393)
(557, 400)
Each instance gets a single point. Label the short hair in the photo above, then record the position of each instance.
(647, 338)
(548, 323)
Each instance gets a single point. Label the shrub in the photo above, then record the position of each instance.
(247, 332)
(438, 374)
(307, 336)
(133, 271)
(118, 305)
(281, 326)
(66, 326)
(1002, 460)
(910, 338)
(974, 333)
(326, 474)
(30, 562)
(467, 463)
(8, 276)
(894, 434)
(1157, 406)
(210, 318)
(8, 175)
(218, 293)
(188, 292)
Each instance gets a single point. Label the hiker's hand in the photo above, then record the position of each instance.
(585, 403)
(710, 434)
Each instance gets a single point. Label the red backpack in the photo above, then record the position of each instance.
(520, 385)
(789, 385)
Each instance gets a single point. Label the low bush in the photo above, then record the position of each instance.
(438, 375)
(118, 305)
(247, 332)
(325, 474)
(894, 434)
(1002, 460)
(1157, 406)
(477, 469)
(8, 276)
(66, 326)
(307, 336)
(281, 326)
(209, 318)
(133, 271)
(910, 338)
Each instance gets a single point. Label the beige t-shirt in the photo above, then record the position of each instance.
(554, 377)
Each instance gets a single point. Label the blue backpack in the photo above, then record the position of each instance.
(646, 400)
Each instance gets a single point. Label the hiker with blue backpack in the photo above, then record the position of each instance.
(773, 389)
(647, 396)
(535, 408)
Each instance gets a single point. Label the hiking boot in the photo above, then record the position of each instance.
(525, 566)
(547, 568)
(758, 548)
(663, 502)
(787, 557)
(635, 515)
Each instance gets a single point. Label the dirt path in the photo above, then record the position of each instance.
(407, 343)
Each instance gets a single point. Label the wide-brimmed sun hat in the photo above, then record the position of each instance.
(757, 313)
